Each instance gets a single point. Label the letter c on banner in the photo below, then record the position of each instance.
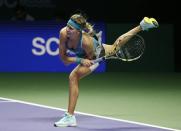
(48, 46)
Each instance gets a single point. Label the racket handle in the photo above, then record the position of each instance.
(98, 60)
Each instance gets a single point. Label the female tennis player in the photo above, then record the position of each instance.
(79, 37)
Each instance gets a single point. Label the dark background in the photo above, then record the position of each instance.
(111, 12)
(135, 94)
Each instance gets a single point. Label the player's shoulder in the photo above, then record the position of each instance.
(63, 32)
(87, 39)
(86, 35)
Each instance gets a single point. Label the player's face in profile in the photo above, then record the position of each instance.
(70, 31)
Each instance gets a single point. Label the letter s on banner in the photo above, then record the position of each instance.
(37, 43)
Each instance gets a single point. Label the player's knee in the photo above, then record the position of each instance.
(120, 38)
(73, 76)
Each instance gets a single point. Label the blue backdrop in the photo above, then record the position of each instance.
(33, 47)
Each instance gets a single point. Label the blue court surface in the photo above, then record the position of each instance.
(18, 115)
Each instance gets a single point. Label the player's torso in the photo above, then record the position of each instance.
(83, 47)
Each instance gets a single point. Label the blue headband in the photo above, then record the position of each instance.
(74, 24)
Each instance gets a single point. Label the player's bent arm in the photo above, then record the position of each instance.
(62, 50)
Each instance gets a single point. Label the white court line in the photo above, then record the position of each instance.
(6, 101)
(87, 114)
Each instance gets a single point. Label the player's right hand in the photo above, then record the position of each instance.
(86, 62)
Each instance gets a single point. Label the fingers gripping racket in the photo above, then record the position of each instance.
(132, 50)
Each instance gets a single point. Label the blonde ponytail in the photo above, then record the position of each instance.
(90, 29)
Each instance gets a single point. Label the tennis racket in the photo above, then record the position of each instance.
(132, 50)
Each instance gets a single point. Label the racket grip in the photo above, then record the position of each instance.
(98, 60)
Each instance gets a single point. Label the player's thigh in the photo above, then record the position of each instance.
(108, 48)
(80, 71)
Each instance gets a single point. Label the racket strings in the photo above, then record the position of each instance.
(133, 49)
